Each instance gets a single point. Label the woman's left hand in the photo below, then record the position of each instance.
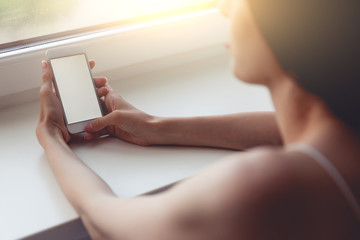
(51, 123)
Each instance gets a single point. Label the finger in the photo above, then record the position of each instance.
(46, 84)
(103, 107)
(107, 85)
(92, 64)
(100, 81)
(91, 136)
(100, 123)
(102, 92)
(46, 75)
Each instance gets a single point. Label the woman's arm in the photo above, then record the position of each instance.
(77, 181)
(236, 131)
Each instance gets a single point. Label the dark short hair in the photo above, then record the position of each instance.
(319, 41)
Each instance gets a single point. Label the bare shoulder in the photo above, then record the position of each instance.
(285, 193)
(242, 193)
(265, 191)
(280, 196)
(266, 170)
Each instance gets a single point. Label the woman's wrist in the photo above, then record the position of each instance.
(46, 135)
(164, 131)
(155, 134)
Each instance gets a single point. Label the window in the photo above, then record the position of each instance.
(24, 22)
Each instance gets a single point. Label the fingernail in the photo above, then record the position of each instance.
(43, 64)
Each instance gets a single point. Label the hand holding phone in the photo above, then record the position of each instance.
(75, 87)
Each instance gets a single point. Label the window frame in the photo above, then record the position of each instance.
(143, 44)
(54, 37)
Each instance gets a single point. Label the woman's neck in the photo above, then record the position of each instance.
(302, 117)
(300, 114)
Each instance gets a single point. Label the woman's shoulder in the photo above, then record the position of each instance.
(268, 164)
(288, 192)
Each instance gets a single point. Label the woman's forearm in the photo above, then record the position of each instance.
(78, 182)
(235, 131)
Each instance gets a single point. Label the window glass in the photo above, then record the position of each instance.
(27, 19)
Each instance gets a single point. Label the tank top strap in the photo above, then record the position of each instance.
(333, 173)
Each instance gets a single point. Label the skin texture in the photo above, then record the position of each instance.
(268, 192)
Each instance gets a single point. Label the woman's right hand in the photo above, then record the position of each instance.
(121, 120)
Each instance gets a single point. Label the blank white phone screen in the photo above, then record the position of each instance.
(76, 89)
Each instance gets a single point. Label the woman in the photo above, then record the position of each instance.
(309, 188)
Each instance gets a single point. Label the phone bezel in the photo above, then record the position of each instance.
(68, 51)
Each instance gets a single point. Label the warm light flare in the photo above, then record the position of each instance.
(140, 10)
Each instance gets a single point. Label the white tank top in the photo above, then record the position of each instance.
(333, 173)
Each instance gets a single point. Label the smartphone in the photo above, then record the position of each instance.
(74, 86)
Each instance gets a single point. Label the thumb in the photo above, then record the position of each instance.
(46, 74)
(100, 123)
